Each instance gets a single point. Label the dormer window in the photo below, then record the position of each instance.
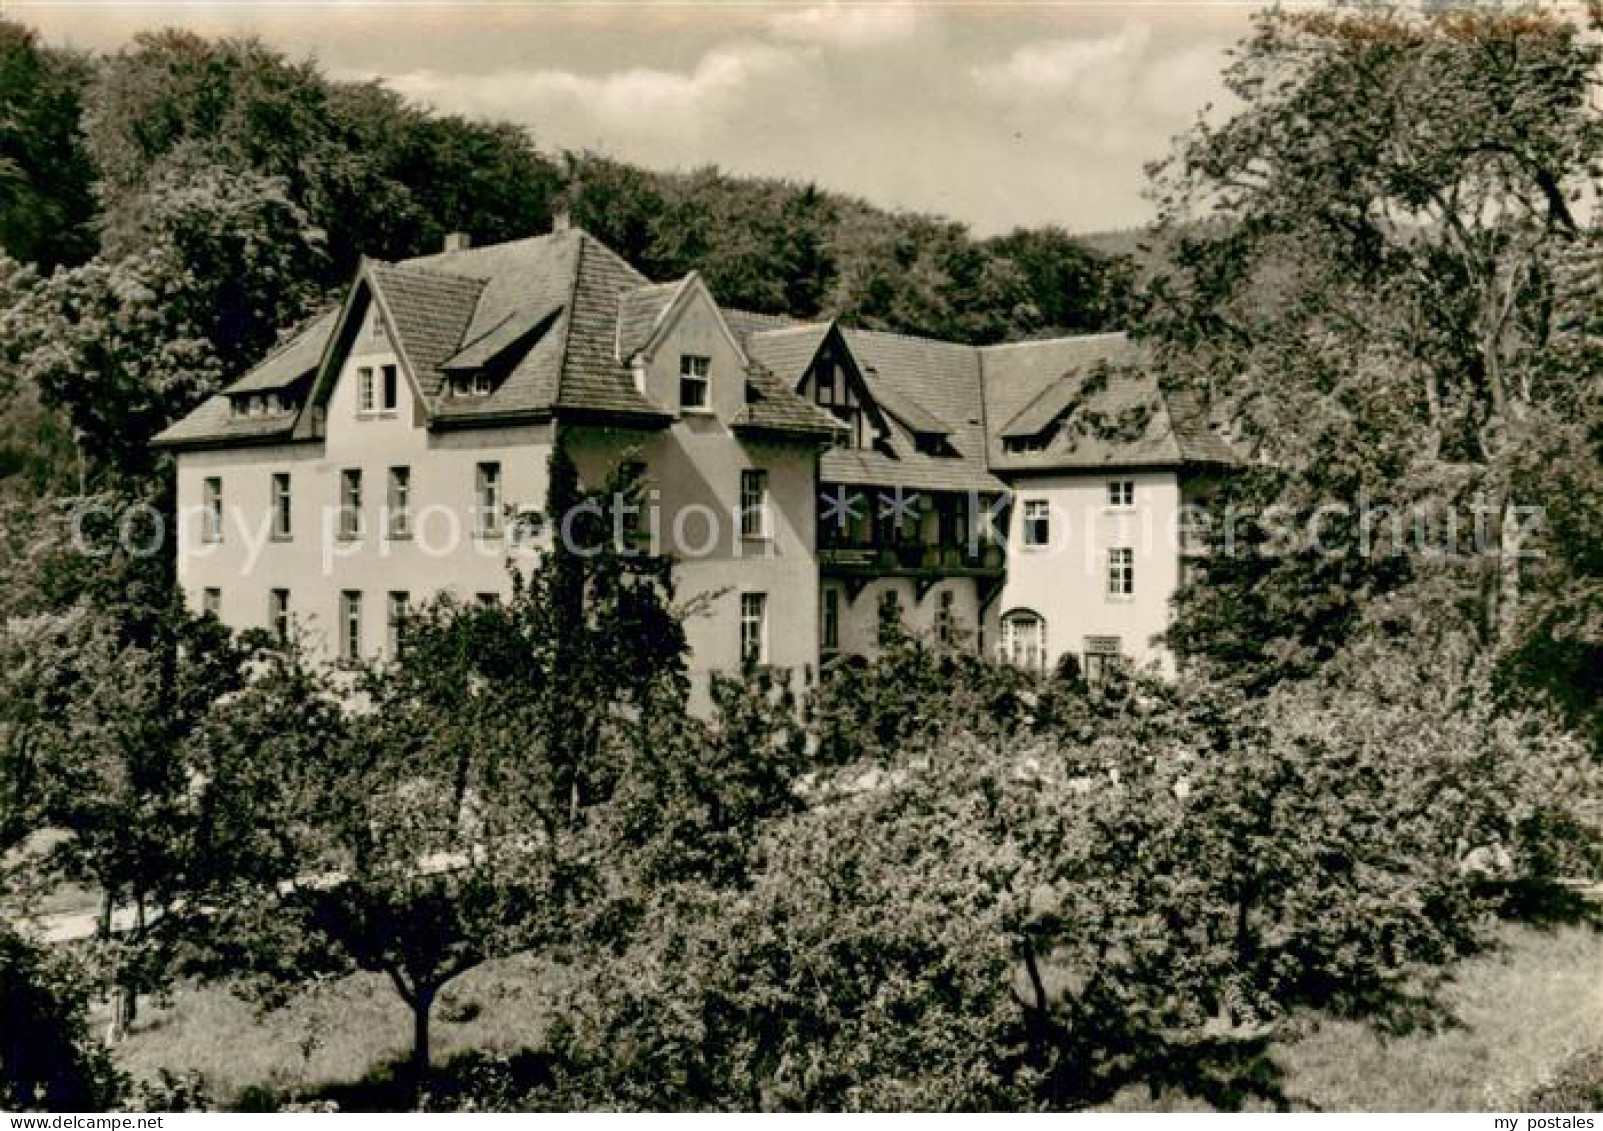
(694, 381)
(475, 384)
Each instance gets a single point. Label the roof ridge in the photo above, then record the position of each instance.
(1100, 335)
(433, 272)
(469, 250)
(287, 338)
(567, 317)
(905, 337)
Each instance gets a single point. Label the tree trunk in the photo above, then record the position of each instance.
(1510, 549)
(422, 1006)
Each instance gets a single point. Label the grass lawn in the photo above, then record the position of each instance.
(1524, 1013)
(338, 1034)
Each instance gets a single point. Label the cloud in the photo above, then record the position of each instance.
(1108, 93)
(849, 27)
(1075, 68)
(635, 100)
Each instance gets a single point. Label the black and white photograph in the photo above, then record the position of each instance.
(811, 556)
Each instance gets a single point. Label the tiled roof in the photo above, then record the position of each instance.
(771, 406)
(942, 379)
(520, 276)
(744, 323)
(1197, 441)
(910, 412)
(1105, 401)
(295, 355)
(431, 312)
(489, 346)
(786, 352)
(1016, 375)
(640, 312)
(856, 467)
(562, 313)
(593, 379)
(214, 422)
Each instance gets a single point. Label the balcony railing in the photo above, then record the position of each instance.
(910, 559)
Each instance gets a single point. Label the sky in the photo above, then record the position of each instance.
(996, 114)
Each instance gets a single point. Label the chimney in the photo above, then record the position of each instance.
(561, 221)
(458, 241)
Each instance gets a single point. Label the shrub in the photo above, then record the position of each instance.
(48, 1061)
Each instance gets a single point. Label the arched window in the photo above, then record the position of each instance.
(1024, 640)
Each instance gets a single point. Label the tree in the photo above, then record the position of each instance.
(459, 811)
(48, 1060)
(100, 721)
(1372, 293)
(46, 179)
(127, 345)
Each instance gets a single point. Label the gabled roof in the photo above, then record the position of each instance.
(641, 312)
(560, 316)
(938, 384)
(506, 335)
(771, 406)
(429, 312)
(787, 351)
(1091, 402)
(295, 356)
(213, 424)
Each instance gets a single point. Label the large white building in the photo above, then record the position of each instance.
(810, 480)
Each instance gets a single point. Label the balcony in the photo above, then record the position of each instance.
(910, 560)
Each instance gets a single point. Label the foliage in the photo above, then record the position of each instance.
(456, 812)
(46, 198)
(778, 247)
(48, 1060)
(1372, 302)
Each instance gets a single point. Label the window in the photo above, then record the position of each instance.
(278, 614)
(1103, 654)
(397, 620)
(945, 621)
(351, 626)
(487, 509)
(1037, 522)
(479, 385)
(350, 504)
(753, 628)
(754, 504)
(890, 617)
(630, 501)
(693, 381)
(1121, 493)
(1121, 572)
(831, 620)
(211, 602)
(364, 389)
(398, 503)
(375, 326)
(389, 392)
(487, 600)
(281, 510)
(826, 382)
(212, 524)
(1024, 640)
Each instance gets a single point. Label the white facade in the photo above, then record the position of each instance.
(439, 548)
(1076, 580)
